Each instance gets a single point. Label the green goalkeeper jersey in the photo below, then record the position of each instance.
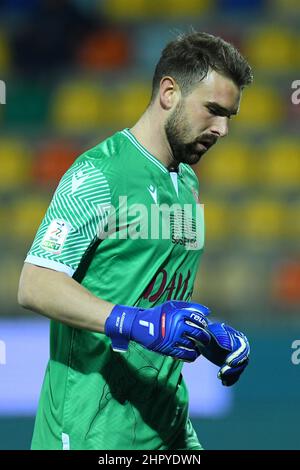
(132, 233)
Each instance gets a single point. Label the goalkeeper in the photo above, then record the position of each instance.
(119, 300)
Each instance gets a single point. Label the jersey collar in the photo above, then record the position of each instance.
(144, 151)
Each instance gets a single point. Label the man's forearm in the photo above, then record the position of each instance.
(61, 298)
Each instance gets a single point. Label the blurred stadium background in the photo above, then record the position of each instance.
(77, 71)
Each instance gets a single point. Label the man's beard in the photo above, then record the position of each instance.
(177, 133)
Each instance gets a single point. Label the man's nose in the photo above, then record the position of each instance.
(220, 126)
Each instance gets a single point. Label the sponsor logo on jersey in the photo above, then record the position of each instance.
(183, 228)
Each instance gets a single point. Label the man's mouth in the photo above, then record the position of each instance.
(200, 147)
(206, 143)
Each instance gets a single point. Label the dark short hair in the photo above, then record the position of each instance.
(190, 56)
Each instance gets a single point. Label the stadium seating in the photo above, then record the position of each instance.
(52, 160)
(107, 50)
(271, 48)
(15, 158)
(129, 102)
(28, 103)
(261, 107)
(218, 220)
(79, 106)
(27, 214)
(5, 54)
(146, 9)
(229, 166)
(285, 283)
(261, 220)
(280, 164)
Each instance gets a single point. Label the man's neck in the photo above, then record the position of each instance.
(150, 133)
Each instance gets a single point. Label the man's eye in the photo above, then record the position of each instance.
(213, 111)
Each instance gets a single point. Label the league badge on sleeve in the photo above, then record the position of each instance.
(55, 236)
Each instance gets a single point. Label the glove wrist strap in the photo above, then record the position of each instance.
(118, 326)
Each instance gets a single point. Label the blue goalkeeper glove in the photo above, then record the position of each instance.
(228, 349)
(172, 328)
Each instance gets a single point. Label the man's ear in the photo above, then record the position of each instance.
(169, 93)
